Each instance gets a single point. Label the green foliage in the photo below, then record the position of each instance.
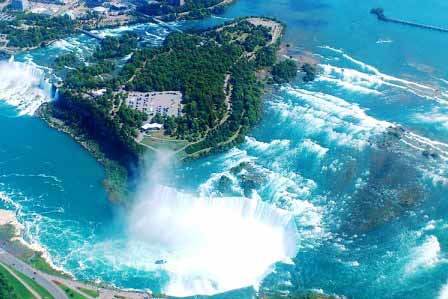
(196, 67)
(266, 57)
(34, 285)
(6, 289)
(246, 111)
(310, 72)
(32, 30)
(116, 47)
(284, 71)
(70, 293)
(14, 288)
(92, 293)
(69, 60)
(196, 7)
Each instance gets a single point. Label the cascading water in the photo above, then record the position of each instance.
(24, 86)
(210, 245)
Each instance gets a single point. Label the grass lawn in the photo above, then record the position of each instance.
(159, 141)
(19, 288)
(92, 293)
(39, 263)
(34, 285)
(70, 293)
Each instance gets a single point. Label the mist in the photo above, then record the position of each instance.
(206, 245)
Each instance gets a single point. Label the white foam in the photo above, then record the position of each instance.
(384, 41)
(425, 256)
(312, 146)
(343, 123)
(64, 45)
(211, 244)
(367, 77)
(274, 145)
(443, 293)
(23, 86)
(434, 117)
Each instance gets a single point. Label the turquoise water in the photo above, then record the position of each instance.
(370, 208)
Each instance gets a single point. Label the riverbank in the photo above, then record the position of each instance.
(31, 260)
(116, 178)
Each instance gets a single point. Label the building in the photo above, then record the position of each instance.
(20, 5)
(100, 10)
(151, 127)
(167, 103)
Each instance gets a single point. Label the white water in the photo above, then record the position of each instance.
(367, 79)
(443, 294)
(23, 85)
(211, 245)
(424, 256)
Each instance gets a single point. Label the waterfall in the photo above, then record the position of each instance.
(24, 86)
(210, 245)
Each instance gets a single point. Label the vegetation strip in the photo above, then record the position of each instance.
(34, 285)
(89, 292)
(12, 287)
(70, 292)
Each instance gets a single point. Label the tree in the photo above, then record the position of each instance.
(6, 290)
(284, 71)
(310, 72)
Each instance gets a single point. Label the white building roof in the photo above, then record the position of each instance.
(152, 126)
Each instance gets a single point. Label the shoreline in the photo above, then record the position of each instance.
(11, 241)
(113, 187)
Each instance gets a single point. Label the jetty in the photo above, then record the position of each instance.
(91, 34)
(379, 12)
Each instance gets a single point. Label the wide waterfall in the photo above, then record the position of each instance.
(24, 86)
(211, 245)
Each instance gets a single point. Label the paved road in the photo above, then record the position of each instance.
(10, 260)
(46, 281)
(32, 291)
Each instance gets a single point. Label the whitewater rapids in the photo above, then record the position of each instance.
(24, 86)
(211, 245)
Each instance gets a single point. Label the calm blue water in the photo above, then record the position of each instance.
(371, 209)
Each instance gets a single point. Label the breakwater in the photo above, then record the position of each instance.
(379, 12)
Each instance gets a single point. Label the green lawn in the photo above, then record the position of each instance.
(70, 293)
(92, 293)
(19, 288)
(39, 263)
(163, 142)
(34, 285)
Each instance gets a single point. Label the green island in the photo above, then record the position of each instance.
(217, 77)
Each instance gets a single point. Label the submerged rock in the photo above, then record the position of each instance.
(250, 177)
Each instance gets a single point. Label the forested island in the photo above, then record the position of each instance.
(217, 72)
